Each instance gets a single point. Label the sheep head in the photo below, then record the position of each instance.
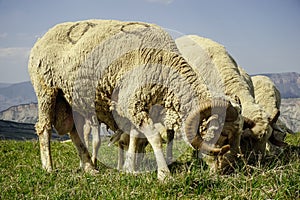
(270, 128)
(204, 126)
(255, 136)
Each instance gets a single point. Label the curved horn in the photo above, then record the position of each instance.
(198, 143)
(218, 106)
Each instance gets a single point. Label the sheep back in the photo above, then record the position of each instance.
(266, 94)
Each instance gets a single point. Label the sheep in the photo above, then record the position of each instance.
(268, 96)
(232, 131)
(118, 70)
(212, 121)
(257, 123)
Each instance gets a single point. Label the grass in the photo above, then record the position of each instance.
(21, 177)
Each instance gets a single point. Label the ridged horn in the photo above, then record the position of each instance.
(205, 110)
(198, 144)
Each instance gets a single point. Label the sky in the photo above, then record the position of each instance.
(261, 35)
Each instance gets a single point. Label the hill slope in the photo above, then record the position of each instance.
(15, 94)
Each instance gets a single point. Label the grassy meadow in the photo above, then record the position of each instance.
(21, 177)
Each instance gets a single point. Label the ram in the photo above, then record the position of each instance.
(205, 54)
(116, 71)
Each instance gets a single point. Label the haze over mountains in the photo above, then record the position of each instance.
(16, 94)
(18, 102)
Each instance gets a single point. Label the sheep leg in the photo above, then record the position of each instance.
(122, 144)
(121, 157)
(45, 150)
(155, 140)
(170, 137)
(85, 159)
(43, 127)
(96, 143)
(129, 165)
(141, 151)
(86, 132)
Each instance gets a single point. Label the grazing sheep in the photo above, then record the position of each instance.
(257, 123)
(268, 96)
(117, 71)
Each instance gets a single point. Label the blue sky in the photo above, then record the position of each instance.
(261, 35)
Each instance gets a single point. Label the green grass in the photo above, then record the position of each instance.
(21, 177)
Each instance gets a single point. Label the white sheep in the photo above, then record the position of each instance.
(117, 71)
(268, 96)
(232, 83)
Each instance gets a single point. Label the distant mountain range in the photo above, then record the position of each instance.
(23, 113)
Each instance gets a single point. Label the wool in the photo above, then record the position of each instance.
(114, 71)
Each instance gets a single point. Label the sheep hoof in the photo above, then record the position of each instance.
(90, 169)
(47, 168)
(93, 172)
(164, 175)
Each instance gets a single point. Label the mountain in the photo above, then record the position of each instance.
(3, 85)
(15, 94)
(287, 83)
(24, 113)
(290, 113)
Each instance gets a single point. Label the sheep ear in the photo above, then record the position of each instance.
(248, 123)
